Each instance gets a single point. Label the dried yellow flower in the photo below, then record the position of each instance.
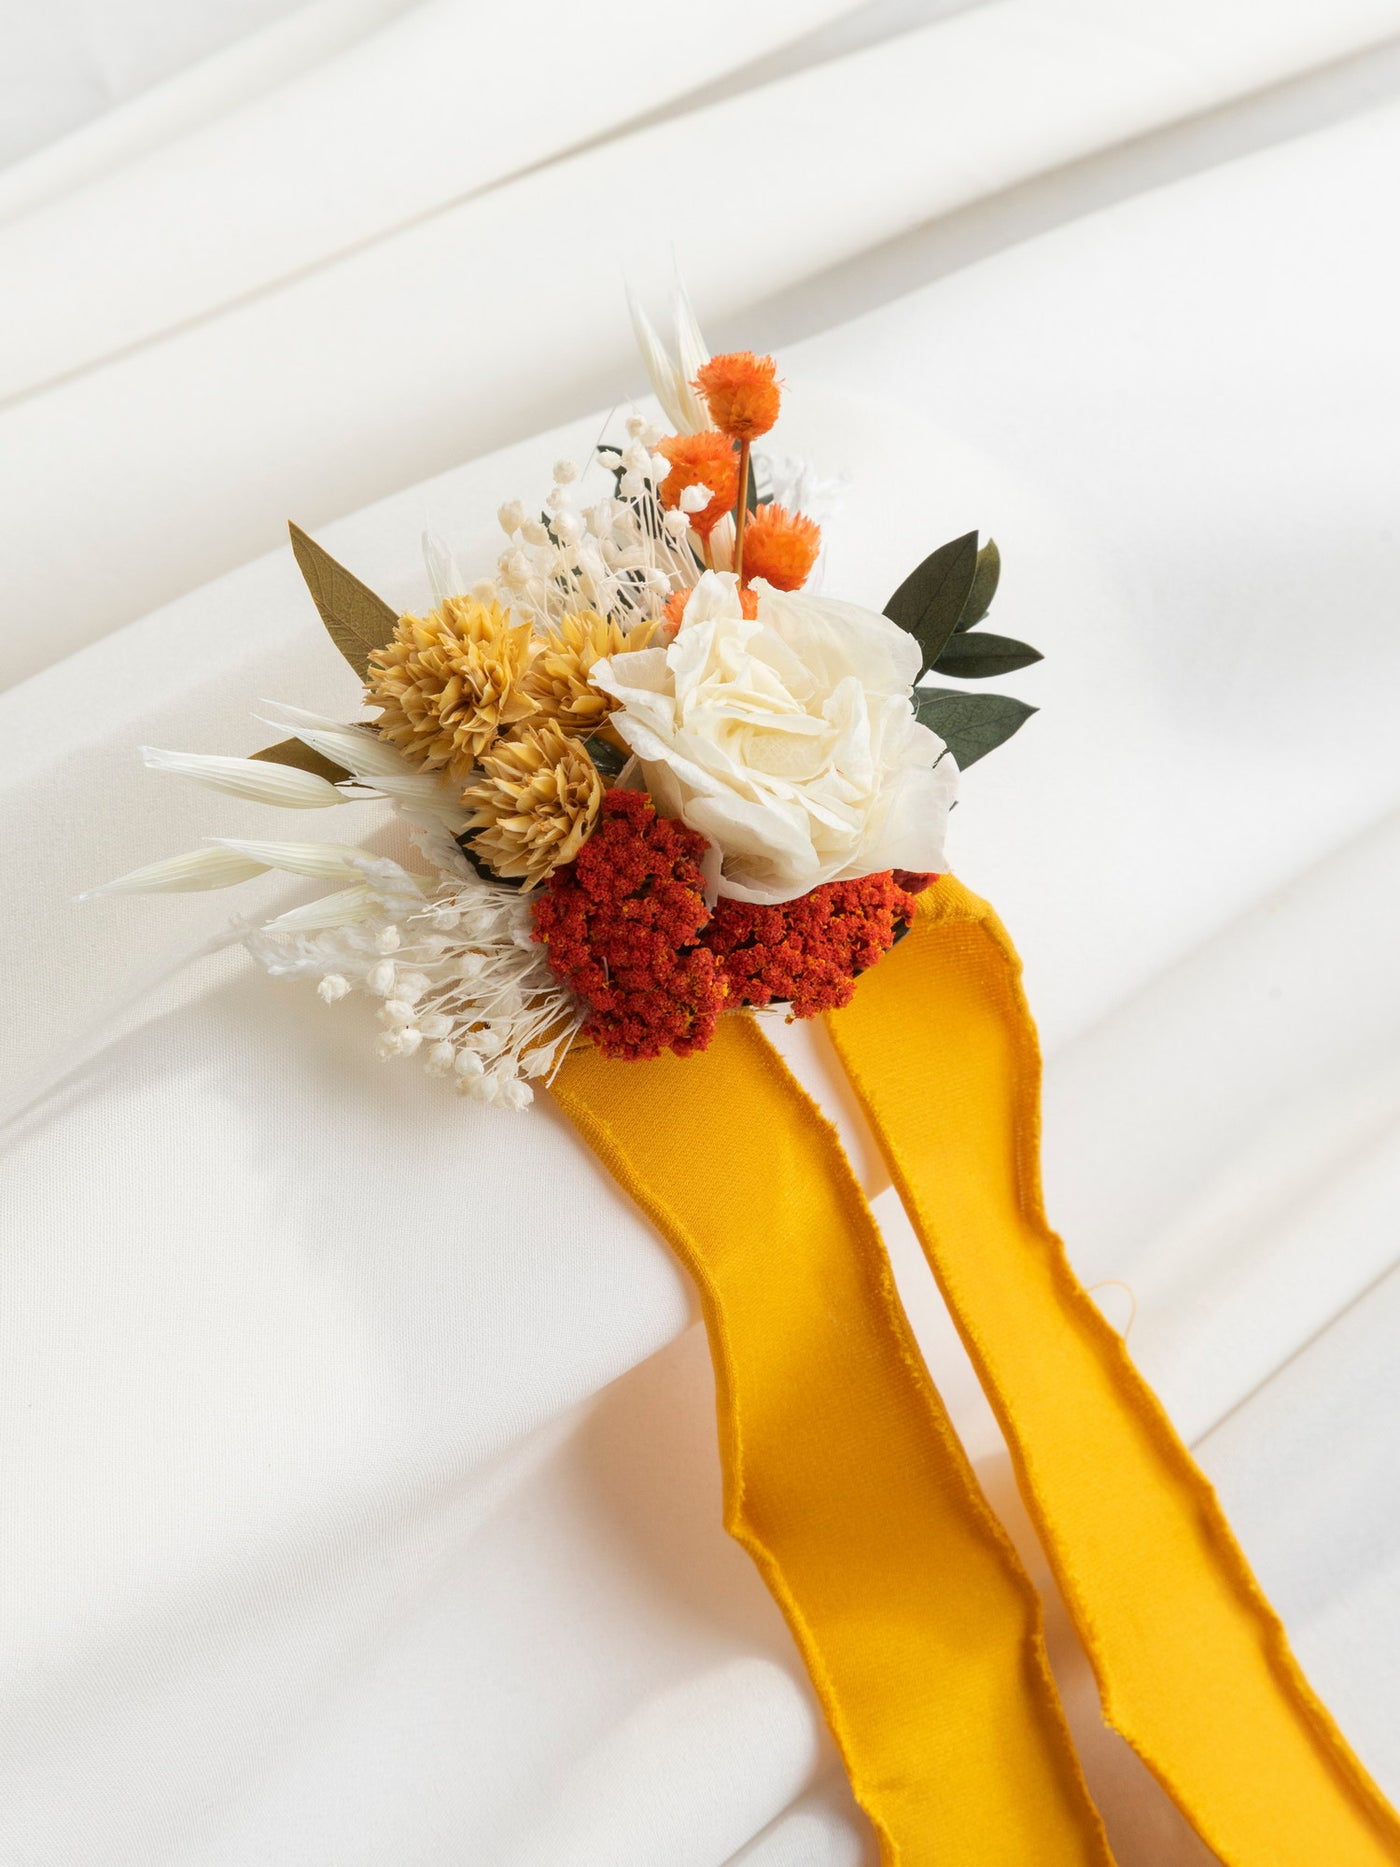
(449, 683)
(534, 802)
(557, 680)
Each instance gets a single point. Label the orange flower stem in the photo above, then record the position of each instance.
(741, 510)
(709, 552)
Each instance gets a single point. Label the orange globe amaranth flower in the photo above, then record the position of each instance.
(741, 392)
(674, 613)
(781, 547)
(701, 460)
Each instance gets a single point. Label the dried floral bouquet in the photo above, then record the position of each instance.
(653, 776)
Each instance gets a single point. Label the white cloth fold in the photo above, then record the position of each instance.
(440, 103)
(182, 458)
(364, 1438)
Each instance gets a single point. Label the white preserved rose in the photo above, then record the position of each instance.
(789, 741)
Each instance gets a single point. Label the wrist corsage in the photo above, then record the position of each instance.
(655, 777)
(656, 782)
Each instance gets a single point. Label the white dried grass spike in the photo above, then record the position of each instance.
(328, 862)
(363, 753)
(197, 869)
(259, 781)
(693, 352)
(338, 910)
(666, 382)
(444, 573)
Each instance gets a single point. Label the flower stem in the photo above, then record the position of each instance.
(741, 510)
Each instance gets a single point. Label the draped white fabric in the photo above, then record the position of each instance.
(363, 1501)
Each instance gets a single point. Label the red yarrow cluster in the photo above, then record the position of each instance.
(809, 952)
(622, 924)
(627, 929)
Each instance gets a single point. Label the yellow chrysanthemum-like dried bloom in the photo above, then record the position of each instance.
(558, 681)
(535, 800)
(451, 682)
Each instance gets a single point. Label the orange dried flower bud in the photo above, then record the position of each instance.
(701, 460)
(741, 392)
(781, 547)
(674, 613)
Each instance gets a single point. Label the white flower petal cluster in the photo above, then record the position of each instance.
(789, 741)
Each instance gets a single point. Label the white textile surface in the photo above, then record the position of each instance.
(358, 1441)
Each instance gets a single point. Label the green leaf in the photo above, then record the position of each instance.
(605, 756)
(483, 868)
(984, 586)
(931, 599)
(976, 657)
(970, 725)
(304, 758)
(356, 619)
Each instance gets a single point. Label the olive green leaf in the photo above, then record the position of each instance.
(977, 657)
(356, 619)
(984, 586)
(970, 725)
(304, 758)
(932, 598)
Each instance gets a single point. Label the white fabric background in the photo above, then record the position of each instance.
(358, 1443)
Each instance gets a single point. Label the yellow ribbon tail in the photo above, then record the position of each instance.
(844, 1479)
(1193, 1666)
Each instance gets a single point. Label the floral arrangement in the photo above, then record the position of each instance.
(653, 776)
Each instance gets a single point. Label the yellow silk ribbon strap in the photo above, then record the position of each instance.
(843, 1477)
(1193, 1665)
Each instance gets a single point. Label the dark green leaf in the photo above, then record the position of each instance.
(482, 867)
(971, 725)
(930, 600)
(984, 586)
(605, 756)
(976, 657)
(356, 619)
(304, 758)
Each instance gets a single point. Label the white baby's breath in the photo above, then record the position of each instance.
(465, 985)
(616, 555)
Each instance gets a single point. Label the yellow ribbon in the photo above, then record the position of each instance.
(843, 1477)
(845, 1480)
(1193, 1665)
